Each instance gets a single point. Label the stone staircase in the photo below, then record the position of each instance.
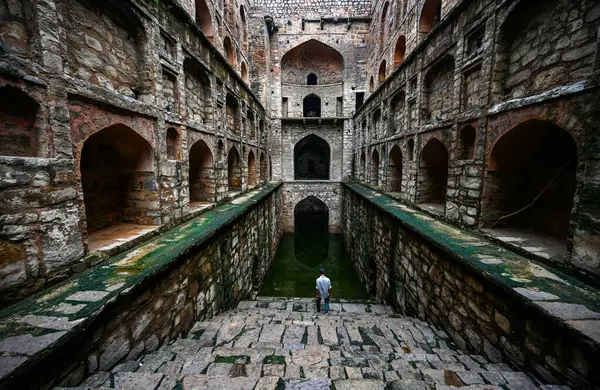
(275, 343)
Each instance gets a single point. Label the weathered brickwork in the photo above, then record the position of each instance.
(409, 269)
(485, 101)
(112, 101)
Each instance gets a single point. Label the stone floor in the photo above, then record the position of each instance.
(116, 235)
(278, 343)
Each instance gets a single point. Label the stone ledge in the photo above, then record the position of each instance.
(34, 328)
(565, 300)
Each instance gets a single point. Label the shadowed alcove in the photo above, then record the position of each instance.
(311, 158)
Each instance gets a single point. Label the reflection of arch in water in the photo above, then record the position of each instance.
(311, 237)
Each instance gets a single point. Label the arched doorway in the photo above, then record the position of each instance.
(395, 170)
(311, 158)
(433, 175)
(311, 106)
(251, 169)
(116, 173)
(530, 180)
(234, 170)
(202, 180)
(374, 180)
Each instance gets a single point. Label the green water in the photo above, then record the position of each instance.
(298, 260)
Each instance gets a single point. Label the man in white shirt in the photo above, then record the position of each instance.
(323, 291)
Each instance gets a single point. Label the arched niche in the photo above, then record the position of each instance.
(202, 177)
(173, 144)
(312, 57)
(312, 156)
(204, 19)
(382, 71)
(430, 15)
(311, 106)
(433, 174)
(311, 79)
(18, 128)
(374, 179)
(263, 167)
(530, 180)
(234, 170)
(244, 72)
(229, 52)
(311, 215)
(400, 50)
(395, 170)
(117, 167)
(466, 143)
(252, 179)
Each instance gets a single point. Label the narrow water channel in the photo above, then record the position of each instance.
(298, 260)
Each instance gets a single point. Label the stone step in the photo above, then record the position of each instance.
(273, 343)
(310, 380)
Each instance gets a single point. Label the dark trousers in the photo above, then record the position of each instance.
(326, 305)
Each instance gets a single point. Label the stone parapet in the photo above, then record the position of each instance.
(487, 298)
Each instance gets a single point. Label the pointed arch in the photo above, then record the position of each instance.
(312, 158)
(383, 27)
(113, 162)
(531, 178)
(251, 169)
(311, 214)
(204, 19)
(234, 170)
(399, 50)
(202, 177)
(311, 106)
(363, 163)
(395, 169)
(374, 179)
(433, 174)
(430, 15)
(262, 167)
(382, 71)
(244, 72)
(315, 57)
(371, 84)
(229, 53)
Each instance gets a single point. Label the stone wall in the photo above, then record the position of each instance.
(131, 70)
(327, 192)
(423, 272)
(214, 267)
(474, 83)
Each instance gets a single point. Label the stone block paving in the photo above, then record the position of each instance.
(278, 343)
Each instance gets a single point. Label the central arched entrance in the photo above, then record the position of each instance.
(311, 158)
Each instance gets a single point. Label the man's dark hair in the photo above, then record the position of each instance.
(322, 271)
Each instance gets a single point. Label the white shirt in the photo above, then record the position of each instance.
(323, 285)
